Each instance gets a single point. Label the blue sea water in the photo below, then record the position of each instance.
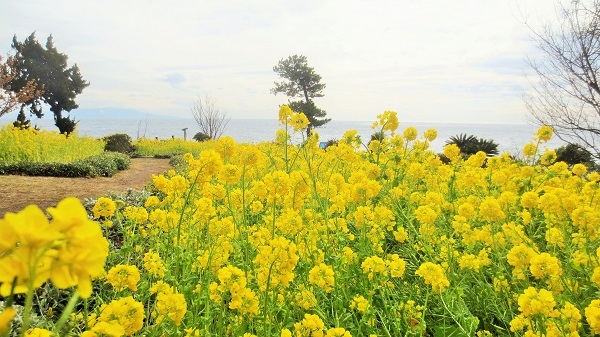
(510, 137)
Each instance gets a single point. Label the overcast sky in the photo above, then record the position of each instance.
(431, 61)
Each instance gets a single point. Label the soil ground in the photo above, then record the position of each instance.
(16, 192)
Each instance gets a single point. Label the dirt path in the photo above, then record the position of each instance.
(16, 192)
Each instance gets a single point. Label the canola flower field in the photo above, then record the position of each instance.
(281, 239)
(30, 145)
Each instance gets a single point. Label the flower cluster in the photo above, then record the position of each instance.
(68, 250)
(294, 240)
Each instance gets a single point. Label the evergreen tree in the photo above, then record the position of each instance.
(49, 69)
(301, 81)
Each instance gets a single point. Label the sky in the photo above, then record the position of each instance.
(450, 61)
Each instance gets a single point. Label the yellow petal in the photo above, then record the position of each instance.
(5, 317)
(84, 287)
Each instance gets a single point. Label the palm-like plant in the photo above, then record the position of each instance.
(469, 144)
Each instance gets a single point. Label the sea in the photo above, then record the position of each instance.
(510, 137)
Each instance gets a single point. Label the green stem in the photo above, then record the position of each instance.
(65, 314)
(28, 304)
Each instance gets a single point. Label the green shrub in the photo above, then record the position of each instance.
(200, 136)
(470, 145)
(331, 142)
(177, 161)
(123, 161)
(119, 142)
(71, 170)
(573, 154)
(105, 164)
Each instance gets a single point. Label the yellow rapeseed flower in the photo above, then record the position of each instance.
(172, 306)
(452, 151)
(27, 248)
(38, 332)
(544, 265)
(434, 275)
(154, 264)
(579, 169)
(105, 329)
(533, 302)
(299, 121)
(530, 149)
(337, 332)
(396, 265)
(125, 312)
(430, 134)
(311, 325)
(322, 276)
(544, 133)
(123, 277)
(285, 113)
(6, 317)
(374, 265)
(410, 133)
(104, 207)
(360, 303)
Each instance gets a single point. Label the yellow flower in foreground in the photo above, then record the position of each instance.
(172, 306)
(299, 121)
(360, 303)
(579, 169)
(126, 312)
(388, 121)
(544, 133)
(70, 250)
(451, 151)
(434, 275)
(123, 276)
(26, 249)
(430, 134)
(154, 264)
(592, 316)
(322, 276)
(532, 302)
(285, 113)
(105, 329)
(5, 318)
(104, 207)
(530, 149)
(37, 332)
(543, 265)
(311, 325)
(84, 252)
(410, 133)
(338, 332)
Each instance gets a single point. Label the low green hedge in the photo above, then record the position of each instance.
(105, 164)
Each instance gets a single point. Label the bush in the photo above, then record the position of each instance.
(105, 164)
(71, 170)
(123, 161)
(331, 142)
(470, 145)
(200, 136)
(177, 161)
(573, 154)
(119, 142)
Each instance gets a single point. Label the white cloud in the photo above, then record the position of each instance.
(460, 60)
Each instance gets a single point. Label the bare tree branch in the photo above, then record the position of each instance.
(210, 119)
(566, 95)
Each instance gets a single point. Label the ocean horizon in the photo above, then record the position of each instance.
(510, 137)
